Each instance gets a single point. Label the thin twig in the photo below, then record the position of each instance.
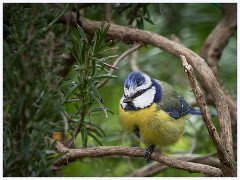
(133, 61)
(108, 12)
(202, 104)
(102, 151)
(77, 129)
(119, 59)
(205, 110)
(156, 167)
(212, 50)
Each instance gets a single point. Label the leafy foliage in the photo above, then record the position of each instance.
(32, 100)
(83, 93)
(35, 94)
(135, 12)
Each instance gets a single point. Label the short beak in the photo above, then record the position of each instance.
(127, 100)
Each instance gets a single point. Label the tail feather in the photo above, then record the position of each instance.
(195, 111)
(198, 112)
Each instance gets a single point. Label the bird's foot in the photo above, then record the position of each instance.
(149, 152)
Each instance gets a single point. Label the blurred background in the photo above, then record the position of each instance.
(34, 43)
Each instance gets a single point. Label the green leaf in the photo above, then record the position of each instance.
(19, 109)
(98, 100)
(95, 90)
(95, 138)
(140, 23)
(96, 109)
(82, 53)
(105, 76)
(71, 90)
(84, 134)
(150, 21)
(96, 39)
(97, 127)
(103, 46)
(101, 67)
(73, 53)
(82, 34)
(104, 32)
(93, 60)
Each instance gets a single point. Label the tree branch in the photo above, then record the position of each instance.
(218, 38)
(204, 109)
(108, 12)
(155, 167)
(77, 129)
(202, 105)
(96, 152)
(212, 51)
(119, 59)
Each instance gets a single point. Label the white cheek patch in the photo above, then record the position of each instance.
(145, 99)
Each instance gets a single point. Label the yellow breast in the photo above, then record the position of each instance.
(156, 127)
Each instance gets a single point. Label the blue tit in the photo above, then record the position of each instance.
(153, 111)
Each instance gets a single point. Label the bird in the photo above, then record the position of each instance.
(153, 111)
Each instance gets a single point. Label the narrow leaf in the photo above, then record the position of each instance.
(84, 134)
(95, 138)
(71, 91)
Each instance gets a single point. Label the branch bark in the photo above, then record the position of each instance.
(212, 51)
(108, 12)
(218, 38)
(207, 116)
(155, 167)
(119, 59)
(99, 152)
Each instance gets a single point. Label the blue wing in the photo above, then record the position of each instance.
(183, 109)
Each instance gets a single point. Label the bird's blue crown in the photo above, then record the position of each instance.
(134, 80)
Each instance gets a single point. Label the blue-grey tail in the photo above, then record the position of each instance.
(198, 112)
(195, 111)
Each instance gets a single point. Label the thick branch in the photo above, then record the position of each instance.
(205, 111)
(74, 154)
(155, 167)
(212, 51)
(218, 39)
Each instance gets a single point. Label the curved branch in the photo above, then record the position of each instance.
(202, 104)
(218, 38)
(214, 45)
(119, 59)
(155, 167)
(102, 151)
(207, 116)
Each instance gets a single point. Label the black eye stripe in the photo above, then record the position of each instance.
(140, 92)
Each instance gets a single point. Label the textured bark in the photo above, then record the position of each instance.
(102, 151)
(212, 51)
